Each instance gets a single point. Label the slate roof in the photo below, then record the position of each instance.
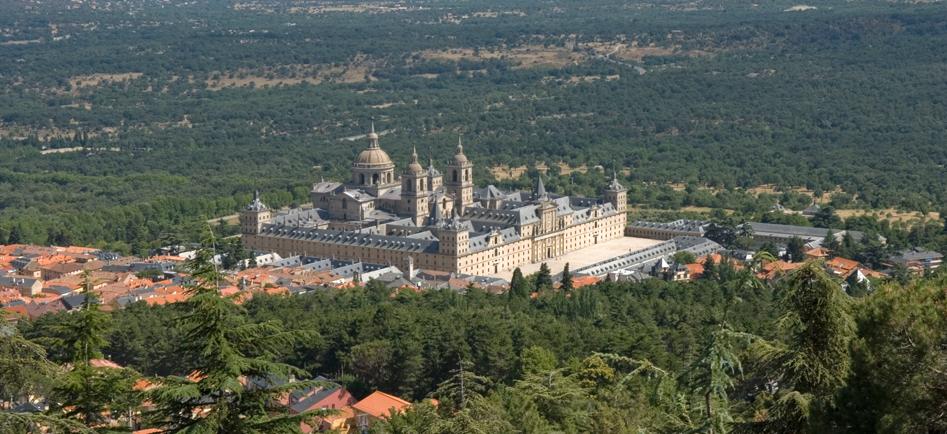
(683, 225)
(491, 192)
(256, 204)
(17, 281)
(73, 301)
(312, 397)
(339, 237)
(519, 216)
(326, 187)
(917, 254)
(479, 242)
(301, 217)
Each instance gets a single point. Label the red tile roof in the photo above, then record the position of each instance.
(16, 311)
(842, 266)
(381, 405)
(775, 268)
(695, 270)
(102, 363)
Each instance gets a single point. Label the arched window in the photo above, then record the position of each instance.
(361, 179)
(375, 179)
(455, 175)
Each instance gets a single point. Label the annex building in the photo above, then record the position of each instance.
(423, 218)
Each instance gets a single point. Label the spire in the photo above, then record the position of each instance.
(454, 220)
(459, 158)
(414, 168)
(614, 184)
(540, 188)
(257, 204)
(373, 136)
(436, 211)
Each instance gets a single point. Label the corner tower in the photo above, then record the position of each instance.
(617, 194)
(453, 239)
(254, 216)
(459, 179)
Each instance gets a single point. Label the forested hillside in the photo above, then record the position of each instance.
(167, 113)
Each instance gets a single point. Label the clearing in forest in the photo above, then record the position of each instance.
(528, 56)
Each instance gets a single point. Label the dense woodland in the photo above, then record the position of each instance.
(727, 353)
(731, 95)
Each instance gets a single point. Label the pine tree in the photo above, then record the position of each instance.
(566, 282)
(830, 242)
(795, 249)
(543, 277)
(237, 384)
(25, 371)
(519, 286)
(711, 377)
(85, 392)
(536, 359)
(814, 360)
(462, 386)
(16, 235)
(710, 268)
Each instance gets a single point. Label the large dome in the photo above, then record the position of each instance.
(373, 157)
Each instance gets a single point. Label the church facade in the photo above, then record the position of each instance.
(432, 220)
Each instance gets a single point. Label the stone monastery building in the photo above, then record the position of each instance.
(432, 220)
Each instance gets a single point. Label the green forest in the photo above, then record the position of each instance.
(727, 353)
(170, 113)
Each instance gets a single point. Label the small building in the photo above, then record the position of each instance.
(917, 259)
(781, 234)
(377, 406)
(842, 267)
(817, 253)
(56, 271)
(330, 397)
(812, 210)
(669, 270)
(28, 286)
(667, 231)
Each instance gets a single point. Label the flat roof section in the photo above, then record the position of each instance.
(587, 256)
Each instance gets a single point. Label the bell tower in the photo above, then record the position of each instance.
(459, 179)
(415, 190)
